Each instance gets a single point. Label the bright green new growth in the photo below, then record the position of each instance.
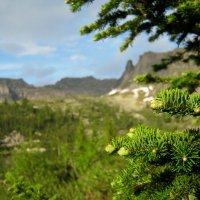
(109, 148)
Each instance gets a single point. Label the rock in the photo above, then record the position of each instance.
(13, 139)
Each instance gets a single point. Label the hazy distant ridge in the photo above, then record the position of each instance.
(90, 86)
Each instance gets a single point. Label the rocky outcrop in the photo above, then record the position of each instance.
(4, 91)
(127, 77)
(146, 63)
(13, 88)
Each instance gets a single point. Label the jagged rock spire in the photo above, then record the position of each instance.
(129, 66)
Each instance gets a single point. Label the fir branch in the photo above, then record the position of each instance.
(157, 161)
(175, 101)
(181, 22)
(154, 146)
(189, 80)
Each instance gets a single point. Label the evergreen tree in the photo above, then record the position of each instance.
(179, 19)
(161, 165)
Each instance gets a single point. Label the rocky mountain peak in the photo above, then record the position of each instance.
(145, 65)
(129, 66)
(126, 77)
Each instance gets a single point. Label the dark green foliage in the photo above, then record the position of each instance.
(19, 189)
(27, 118)
(148, 78)
(188, 80)
(177, 101)
(167, 61)
(178, 19)
(160, 164)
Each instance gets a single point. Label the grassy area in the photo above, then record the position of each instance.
(55, 149)
(62, 150)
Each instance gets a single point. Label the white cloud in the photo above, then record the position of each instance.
(31, 70)
(8, 67)
(78, 57)
(26, 49)
(35, 74)
(37, 50)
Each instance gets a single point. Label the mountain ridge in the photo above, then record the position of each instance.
(91, 86)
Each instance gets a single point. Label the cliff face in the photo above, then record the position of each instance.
(127, 77)
(145, 63)
(13, 88)
(4, 91)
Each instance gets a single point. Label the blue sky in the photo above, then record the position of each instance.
(40, 42)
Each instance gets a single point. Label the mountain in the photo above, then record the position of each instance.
(145, 65)
(127, 77)
(90, 86)
(13, 88)
(17, 88)
(86, 85)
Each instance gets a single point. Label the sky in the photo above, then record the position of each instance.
(40, 42)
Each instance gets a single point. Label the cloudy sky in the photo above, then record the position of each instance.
(40, 42)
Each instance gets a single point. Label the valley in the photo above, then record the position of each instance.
(53, 138)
